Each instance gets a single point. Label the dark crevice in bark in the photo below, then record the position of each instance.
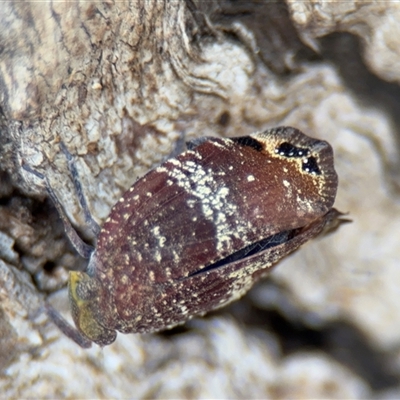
(274, 34)
(339, 339)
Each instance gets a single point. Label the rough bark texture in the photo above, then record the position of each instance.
(119, 84)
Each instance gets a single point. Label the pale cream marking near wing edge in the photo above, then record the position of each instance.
(250, 178)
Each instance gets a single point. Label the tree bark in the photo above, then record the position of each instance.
(120, 85)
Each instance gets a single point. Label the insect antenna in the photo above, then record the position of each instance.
(93, 225)
(66, 328)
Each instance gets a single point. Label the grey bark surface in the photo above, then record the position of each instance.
(120, 84)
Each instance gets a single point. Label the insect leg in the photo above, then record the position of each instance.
(66, 328)
(93, 225)
(81, 247)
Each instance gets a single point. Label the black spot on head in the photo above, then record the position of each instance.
(310, 165)
(288, 150)
(249, 142)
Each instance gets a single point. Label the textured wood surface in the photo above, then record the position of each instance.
(119, 84)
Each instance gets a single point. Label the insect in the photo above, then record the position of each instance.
(196, 232)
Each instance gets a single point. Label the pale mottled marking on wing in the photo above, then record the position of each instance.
(196, 176)
(159, 193)
(197, 180)
(216, 205)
